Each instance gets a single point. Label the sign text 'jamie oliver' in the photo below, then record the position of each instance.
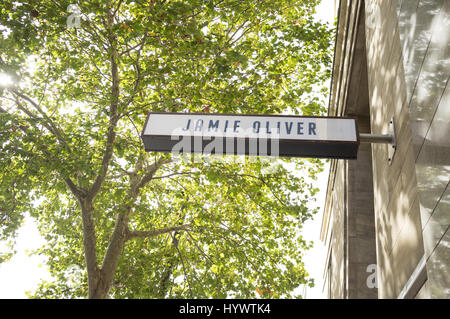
(288, 135)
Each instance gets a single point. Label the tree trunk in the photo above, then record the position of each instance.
(89, 244)
(111, 260)
(101, 289)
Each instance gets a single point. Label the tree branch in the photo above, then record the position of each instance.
(184, 270)
(148, 176)
(48, 123)
(174, 174)
(156, 232)
(113, 115)
(193, 241)
(263, 182)
(73, 188)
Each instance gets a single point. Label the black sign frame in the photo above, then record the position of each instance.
(287, 147)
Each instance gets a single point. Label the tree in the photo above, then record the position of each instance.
(147, 225)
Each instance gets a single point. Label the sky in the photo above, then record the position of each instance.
(24, 271)
(314, 258)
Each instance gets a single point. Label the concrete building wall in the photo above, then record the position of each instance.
(392, 61)
(360, 226)
(397, 210)
(337, 238)
(349, 223)
(425, 39)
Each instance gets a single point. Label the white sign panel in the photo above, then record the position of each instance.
(291, 128)
(294, 135)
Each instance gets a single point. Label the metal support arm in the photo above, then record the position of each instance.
(376, 138)
(390, 139)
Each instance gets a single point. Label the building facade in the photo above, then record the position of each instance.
(387, 214)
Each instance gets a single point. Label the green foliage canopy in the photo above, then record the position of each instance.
(148, 225)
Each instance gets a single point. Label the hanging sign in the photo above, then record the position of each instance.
(256, 135)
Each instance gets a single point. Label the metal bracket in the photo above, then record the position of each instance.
(393, 146)
(390, 139)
